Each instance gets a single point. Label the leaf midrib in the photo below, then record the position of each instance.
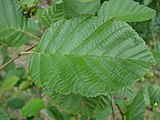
(94, 56)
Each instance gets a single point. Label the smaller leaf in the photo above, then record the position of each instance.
(10, 66)
(33, 107)
(78, 7)
(10, 82)
(55, 113)
(136, 109)
(6, 58)
(3, 115)
(103, 115)
(83, 105)
(128, 92)
(122, 105)
(24, 85)
(4, 51)
(52, 14)
(126, 10)
(156, 54)
(154, 94)
(16, 103)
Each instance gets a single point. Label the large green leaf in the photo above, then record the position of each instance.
(89, 56)
(136, 109)
(52, 14)
(3, 115)
(33, 107)
(13, 23)
(79, 7)
(77, 104)
(126, 10)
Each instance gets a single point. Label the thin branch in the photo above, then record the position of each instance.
(120, 110)
(17, 56)
(112, 104)
(31, 47)
(9, 62)
(31, 35)
(120, 97)
(48, 2)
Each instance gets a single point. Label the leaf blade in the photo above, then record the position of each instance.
(33, 107)
(126, 10)
(3, 115)
(91, 62)
(137, 107)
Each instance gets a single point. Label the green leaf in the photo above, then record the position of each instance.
(34, 27)
(55, 113)
(52, 14)
(12, 22)
(156, 54)
(6, 58)
(103, 115)
(153, 94)
(77, 104)
(33, 107)
(16, 103)
(147, 2)
(14, 26)
(76, 7)
(136, 109)
(128, 92)
(10, 82)
(90, 56)
(126, 10)
(24, 85)
(10, 66)
(3, 115)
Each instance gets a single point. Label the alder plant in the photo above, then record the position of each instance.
(88, 58)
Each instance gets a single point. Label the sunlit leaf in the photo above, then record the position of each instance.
(33, 107)
(90, 56)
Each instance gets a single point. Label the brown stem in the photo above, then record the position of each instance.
(28, 12)
(17, 56)
(31, 35)
(122, 115)
(120, 97)
(112, 104)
